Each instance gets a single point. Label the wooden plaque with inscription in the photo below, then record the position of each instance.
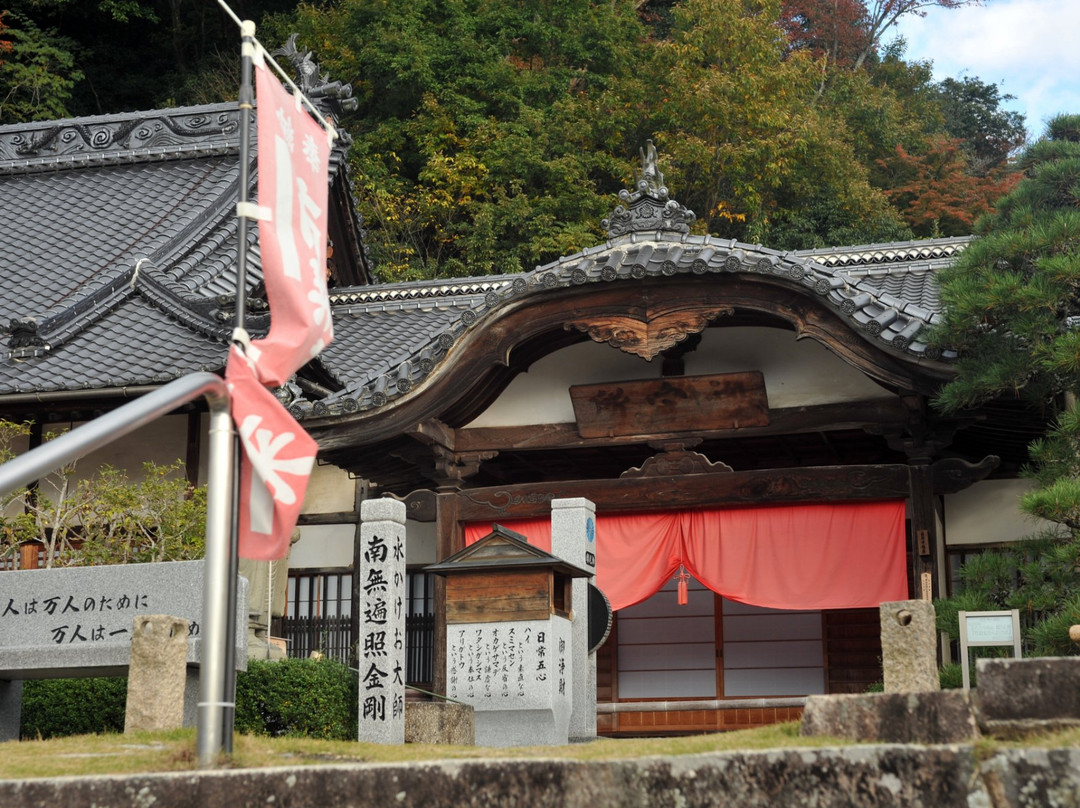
(672, 404)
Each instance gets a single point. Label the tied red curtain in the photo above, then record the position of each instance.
(818, 556)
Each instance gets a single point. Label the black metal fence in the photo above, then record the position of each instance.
(329, 636)
(318, 620)
(420, 650)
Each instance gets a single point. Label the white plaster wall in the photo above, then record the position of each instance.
(163, 441)
(322, 546)
(797, 372)
(989, 512)
(330, 490)
(17, 446)
(419, 542)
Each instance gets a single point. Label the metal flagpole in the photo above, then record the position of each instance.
(247, 107)
(217, 714)
(245, 212)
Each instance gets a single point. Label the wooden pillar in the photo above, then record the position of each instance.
(923, 531)
(194, 445)
(449, 538)
(28, 555)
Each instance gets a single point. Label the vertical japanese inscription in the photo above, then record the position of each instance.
(380, 645)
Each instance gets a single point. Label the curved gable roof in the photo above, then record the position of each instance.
(390, 341)
(119, 271)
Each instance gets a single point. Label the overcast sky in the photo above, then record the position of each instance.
(1029, 48)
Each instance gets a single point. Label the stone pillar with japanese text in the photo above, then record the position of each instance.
(381, 641)
(573, 539)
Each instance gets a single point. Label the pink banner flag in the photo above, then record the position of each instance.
(278, 454)
(277, 459)
(294, 154)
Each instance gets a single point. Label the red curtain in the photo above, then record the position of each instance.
(820, 556)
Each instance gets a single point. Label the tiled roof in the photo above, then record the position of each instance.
(388, 338)
(119, 260)
(135, 344)
(119, 248)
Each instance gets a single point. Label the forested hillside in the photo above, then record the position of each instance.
(491, 135)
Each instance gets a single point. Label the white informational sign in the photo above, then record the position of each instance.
(987, 629)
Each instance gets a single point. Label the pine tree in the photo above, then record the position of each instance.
(1012, 311)
(1012, 308)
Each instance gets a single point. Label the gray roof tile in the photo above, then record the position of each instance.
(91, 200)
(136, 344)
(381, 340)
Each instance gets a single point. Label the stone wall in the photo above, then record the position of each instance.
(867, 776)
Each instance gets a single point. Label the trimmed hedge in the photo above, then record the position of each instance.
(55, 707)
(314, 698)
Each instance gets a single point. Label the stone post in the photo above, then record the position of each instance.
(381, 649)
(157, 673)
(10, 708)
(909, 646)
(573, 539)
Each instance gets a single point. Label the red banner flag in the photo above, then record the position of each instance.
(294, 153)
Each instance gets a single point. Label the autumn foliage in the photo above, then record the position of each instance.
(936, 191)
(492, 137)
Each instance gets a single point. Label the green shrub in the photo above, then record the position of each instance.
(56, 707)
(315, 698)
(952, 676)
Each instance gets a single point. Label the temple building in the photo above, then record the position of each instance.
(750, 422)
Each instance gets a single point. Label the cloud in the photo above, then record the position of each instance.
(1027, 47)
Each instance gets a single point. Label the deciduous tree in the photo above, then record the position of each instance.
(749, 149)
(37, 74)
(973, 113)
(105, 517)
(937, 192)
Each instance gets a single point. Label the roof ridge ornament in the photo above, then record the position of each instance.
(334, 97)
(650, 208)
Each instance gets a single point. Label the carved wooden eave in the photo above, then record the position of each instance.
(694, 488)
(483, 361)
(676, 462)
(954, 474)
(727, 489)
(734, 489)
(650, 332)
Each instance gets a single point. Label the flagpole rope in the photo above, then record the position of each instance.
(323, 122)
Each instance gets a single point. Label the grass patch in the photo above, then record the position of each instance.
(85, 755)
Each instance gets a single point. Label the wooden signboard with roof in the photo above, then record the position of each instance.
(502, 577)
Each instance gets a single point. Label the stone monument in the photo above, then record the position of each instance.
(381, 642)
(268, 583)
(509, 649)
(157, 673)
(77, 621)
(573, 539)
(909, 646)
